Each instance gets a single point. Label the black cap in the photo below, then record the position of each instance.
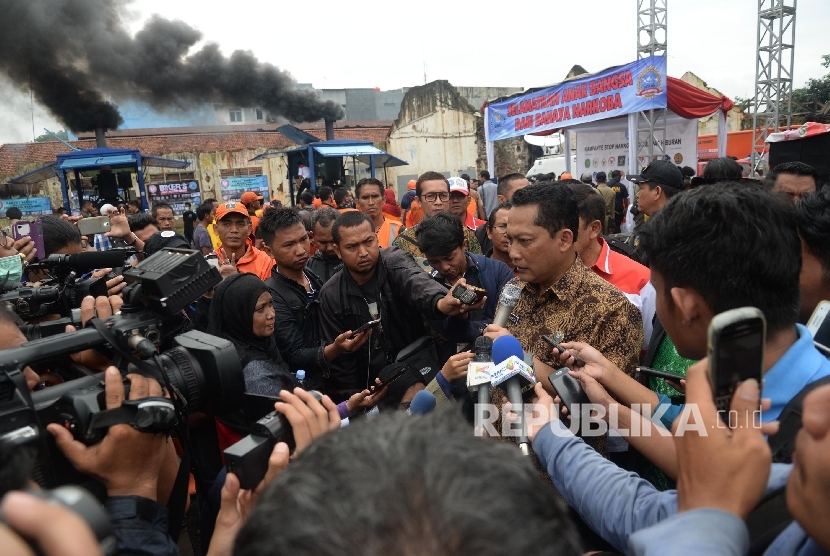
(165, 239)
(663, 172)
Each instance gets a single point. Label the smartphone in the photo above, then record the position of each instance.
(34, 230)
(467, 297)
(577, 361)
(378, 387)
(94, 225)
(364, 326)
(568, 388)
(212, 260)
(736, 351)
(819, 324)
(660, 374)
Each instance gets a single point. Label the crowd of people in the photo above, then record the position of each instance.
(343, 310)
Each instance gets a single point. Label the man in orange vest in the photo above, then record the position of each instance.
(236, 252)
(369, 193)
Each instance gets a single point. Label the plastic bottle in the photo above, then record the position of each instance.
(301, 379)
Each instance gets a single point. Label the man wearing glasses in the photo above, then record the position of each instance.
(433, 192)
(236, 252)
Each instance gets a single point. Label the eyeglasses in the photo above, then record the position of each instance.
(431, 197)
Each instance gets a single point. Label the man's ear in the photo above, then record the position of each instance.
(267, 249)
(595, 229)
(566, 239)
(337, 250)
(311, 236)
(689, 303)
(464, 244)
(501, 198)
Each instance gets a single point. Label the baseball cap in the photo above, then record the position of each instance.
(586, 178)
(230, 207)
(163, 240)
(663, 172)
(457, 185)
(410, 186)
(249, 196)
(566, 176)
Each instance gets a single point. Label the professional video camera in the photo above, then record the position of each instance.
(62, 292)
(201, 372)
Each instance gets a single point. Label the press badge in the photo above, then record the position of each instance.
(11, 268)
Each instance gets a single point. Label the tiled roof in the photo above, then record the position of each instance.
(16, 156)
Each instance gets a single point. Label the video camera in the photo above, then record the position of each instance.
(62, 293)
(201, 372)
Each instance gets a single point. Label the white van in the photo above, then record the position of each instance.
(551, 164)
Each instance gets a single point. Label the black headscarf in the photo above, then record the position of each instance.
(397, 390)
(232, 317)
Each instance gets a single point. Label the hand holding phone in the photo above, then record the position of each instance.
(375, 388)
(577, 361)
(736, 351)
(364, 326)
(33, 230)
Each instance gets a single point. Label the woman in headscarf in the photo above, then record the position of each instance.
(242, 311)
(391, 209)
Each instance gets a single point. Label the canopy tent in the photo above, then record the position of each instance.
(616, 91)
(99, 159)
(359, 151)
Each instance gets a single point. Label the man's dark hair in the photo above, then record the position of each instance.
(324, 216)
(710, 240)
(589, 202)
(160, 205)
(203, 210)
(368, 181)
(14, 213)
(60, 210)
(423, 501)
(325, 192)
(601, 177)
(491, 220)
(141, 220)
(136, 204)
(616, 174)
(503, 186)
(58, 233)
(722, 169)
(813, 212)
(429, 176)
(211, 200)
(484, 174)
(795, 168)
(687, 171)
(187, 204)
(351, 219)
(440, 234)
(340, 195)
(275, 220)
(465, 177)
(307, 197)
(557, 206)
(86, 202)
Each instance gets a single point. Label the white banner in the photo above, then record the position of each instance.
(606, 150)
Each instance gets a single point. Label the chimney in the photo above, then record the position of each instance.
(100, 138)
(329, 130)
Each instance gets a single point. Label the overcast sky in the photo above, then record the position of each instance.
(391, 45)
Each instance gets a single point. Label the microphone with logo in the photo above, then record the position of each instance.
(518, 379)
(507, 300)
(422, 403)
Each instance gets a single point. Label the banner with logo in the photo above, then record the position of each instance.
(603, 151)
(617, 91)
(176, 194)
(29, 206)
(234, 187)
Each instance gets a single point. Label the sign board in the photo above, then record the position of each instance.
(29, 206)
(176, 194)
(617, 91)
(234, 187)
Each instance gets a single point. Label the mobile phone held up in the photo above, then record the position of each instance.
(568, 389)
(364, 326)
(819, 324)
(34, 230)
(374, 388)
(94, 225)
(577, 361)
(468, 295)
(736, 352)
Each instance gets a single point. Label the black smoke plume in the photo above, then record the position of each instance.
(73, 52)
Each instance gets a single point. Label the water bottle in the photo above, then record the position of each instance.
(301, 379)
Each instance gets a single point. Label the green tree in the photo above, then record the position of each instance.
(811, 99)
(47, 137)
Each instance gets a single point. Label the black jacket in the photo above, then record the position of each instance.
(323, 266)
(298, 328)
(405, 293)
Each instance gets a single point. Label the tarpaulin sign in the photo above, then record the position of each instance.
(617, 91)
(29, 206)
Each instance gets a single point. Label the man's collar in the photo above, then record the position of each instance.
(603, 263)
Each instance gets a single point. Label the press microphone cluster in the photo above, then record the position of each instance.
(517, 377)
(422, 403)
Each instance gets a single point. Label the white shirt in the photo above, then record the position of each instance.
(304, 173)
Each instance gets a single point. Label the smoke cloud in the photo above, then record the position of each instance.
(73, 52)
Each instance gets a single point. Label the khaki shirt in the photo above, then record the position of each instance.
(610, 201)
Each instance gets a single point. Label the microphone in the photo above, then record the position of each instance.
(517, 378)
(422, 403)
(478, 370)
(88, 260)
(507, 300)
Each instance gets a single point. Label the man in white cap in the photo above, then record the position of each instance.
(459, 200)
(102, 242)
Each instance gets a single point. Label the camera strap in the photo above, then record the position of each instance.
(152, 415)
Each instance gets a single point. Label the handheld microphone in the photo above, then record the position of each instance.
(422, 403)
(478, 371)
(507, 300)
(88, 260)
(514, 374)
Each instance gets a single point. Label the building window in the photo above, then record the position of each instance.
(235, 114)
(259, 114)
(233, 172)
